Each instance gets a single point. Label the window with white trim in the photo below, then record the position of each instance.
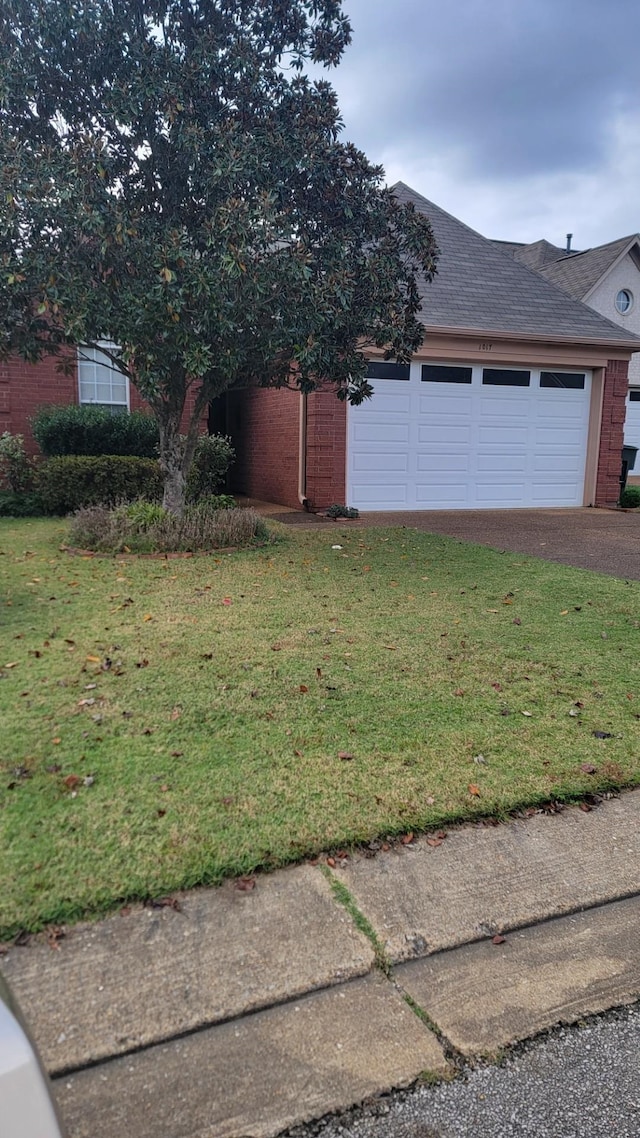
(99, 382)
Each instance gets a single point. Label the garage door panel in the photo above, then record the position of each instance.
(493, 493)
(454, 403)
(381, 432)
(505, 464)
(555, 463)
(445, 434)
(468, 445)
(390, 403)
(549, 493)
(493, 437)
(448, 495)
(435, 461)
(378, 495)
(553, 438)
(390, 461)
(516, 408)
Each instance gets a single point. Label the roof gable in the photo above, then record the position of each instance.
(480, 287)
(579, 273)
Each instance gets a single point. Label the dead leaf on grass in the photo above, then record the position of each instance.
(602, 735)
(407, 839)
(345, 756)
(474, 790)
(176, 713)
(304, 689)
(588, 768)
(71, 781)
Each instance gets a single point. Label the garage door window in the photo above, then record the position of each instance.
(505, 377)
(566, 380)
(443, 373)
(387, 371)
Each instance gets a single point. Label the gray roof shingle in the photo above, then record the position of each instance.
(579, 273)
(480, 287)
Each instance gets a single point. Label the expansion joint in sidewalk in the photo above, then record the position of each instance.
(344, 898)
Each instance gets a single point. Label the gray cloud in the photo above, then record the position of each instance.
(516, 86)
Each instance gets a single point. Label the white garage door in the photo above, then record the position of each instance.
(437, 436)
(632, 424)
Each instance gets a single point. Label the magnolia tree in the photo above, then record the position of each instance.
(172, 181)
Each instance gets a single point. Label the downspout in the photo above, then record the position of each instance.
(302, 453)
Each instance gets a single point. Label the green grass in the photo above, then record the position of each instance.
(221, 724)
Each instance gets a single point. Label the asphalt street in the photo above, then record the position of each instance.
(576, 1082)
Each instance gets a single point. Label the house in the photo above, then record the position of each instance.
(516, 399)
(606, 278)
(89, 380)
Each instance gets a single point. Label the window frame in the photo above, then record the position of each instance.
(83, 358)
(623, 292)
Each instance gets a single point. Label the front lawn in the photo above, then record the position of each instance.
(170, 722)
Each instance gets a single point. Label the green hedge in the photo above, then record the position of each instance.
(94, 430)
(69, 482)
(23, 504)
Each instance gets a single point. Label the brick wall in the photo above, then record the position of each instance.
(611, 434)
(264, 429)
(326, 449)
(24, 387)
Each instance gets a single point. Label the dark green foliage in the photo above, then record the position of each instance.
(211, 461)
(213, 502)
(337, 511)
(17, 470)
(630, 497)
(94, 430)
(144, 527)
(69, 482)
(171, 177)
(21, 505)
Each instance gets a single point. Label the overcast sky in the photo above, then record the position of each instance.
(521, 117)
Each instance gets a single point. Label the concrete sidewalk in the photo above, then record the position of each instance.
(244, 1010)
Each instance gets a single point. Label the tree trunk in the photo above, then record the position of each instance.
(172, 461)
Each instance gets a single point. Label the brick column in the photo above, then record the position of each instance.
(616, 385)
(326, 449)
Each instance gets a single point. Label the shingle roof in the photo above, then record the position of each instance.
(538, 254)
(479, 287)
(580, 272)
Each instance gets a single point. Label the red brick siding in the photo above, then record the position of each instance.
(24, 387)
(264, 428)
(611, 434)
(326, 449)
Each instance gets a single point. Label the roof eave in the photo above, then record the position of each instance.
(630, 345)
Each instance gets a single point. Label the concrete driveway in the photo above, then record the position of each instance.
(605, 540)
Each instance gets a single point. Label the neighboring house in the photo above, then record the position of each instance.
(516, 399)
(607, 278)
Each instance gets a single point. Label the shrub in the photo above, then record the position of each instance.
(337, 511)
(16, 468)
(69, 482)
(26, 505)
(211, 502)
(211, 461)
(94, 430)
(132, 529)
(630, 497)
